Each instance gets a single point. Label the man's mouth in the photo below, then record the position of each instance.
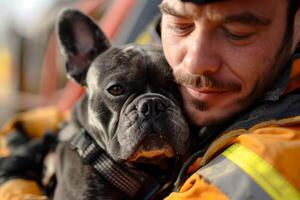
(207, 90)
(205, 93)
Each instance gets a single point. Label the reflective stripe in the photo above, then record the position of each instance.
(262, 172)
(231, 180)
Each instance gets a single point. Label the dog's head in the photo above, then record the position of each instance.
(132, 104)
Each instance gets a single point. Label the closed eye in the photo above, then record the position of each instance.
(181, 29)
(238, 38)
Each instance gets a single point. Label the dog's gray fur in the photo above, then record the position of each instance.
(130, 94)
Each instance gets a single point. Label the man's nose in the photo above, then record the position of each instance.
(202, 54)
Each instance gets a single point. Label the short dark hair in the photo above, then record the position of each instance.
(293, 7)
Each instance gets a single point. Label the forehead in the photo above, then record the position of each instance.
(131, 60)
(119, 58)
(215, 11)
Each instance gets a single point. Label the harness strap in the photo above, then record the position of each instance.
(135, 186)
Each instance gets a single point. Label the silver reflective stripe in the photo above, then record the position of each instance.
(231, 180)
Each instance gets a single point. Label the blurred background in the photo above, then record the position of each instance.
(31, 67)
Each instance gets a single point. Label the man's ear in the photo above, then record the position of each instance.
(81, 41)
(296, 41)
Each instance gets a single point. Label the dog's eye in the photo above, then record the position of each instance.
(116, 90)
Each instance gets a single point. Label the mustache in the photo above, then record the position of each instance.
(204, 81)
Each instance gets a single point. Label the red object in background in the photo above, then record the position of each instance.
(113, 19)
(109, 23)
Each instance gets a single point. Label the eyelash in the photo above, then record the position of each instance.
(236, 37)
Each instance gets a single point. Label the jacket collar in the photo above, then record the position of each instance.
(294, 76)
(287, 82)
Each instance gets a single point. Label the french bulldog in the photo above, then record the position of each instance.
(130, 113)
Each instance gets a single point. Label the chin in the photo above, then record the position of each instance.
(201, 119)
(208, 117)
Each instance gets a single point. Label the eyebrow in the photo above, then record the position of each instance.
(244, 18)
(166, 9)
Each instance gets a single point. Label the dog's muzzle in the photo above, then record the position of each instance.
(151, 126)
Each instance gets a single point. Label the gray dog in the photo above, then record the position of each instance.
(128, 130)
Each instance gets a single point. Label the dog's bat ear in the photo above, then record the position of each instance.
(81, 41)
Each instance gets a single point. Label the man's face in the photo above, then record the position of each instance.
(224, 55)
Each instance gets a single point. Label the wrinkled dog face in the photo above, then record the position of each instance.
(132, 102)
(135, 88)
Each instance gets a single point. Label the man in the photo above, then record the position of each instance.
(236, 63)
(225, 55)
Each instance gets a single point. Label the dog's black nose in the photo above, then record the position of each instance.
(151, 106)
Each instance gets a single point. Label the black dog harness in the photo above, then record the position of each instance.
(136, 186)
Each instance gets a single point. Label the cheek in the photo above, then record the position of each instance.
(254, 63)
(250, 65)
(172, 47)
